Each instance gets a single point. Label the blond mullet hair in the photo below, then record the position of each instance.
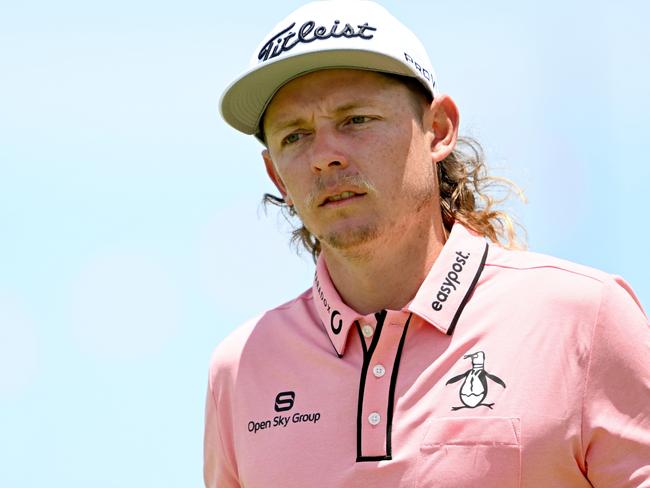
(473, 197)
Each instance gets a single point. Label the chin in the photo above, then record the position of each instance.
(349, 239)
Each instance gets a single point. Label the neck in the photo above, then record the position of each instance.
(384, 275)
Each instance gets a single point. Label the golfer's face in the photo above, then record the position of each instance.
(349, 150)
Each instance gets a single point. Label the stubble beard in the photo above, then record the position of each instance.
(353, 241)
(347, 239)
(350, 239)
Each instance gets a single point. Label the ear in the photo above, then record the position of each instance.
(442, 118)
(275, 177)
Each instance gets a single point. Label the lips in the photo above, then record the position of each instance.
(340, 196)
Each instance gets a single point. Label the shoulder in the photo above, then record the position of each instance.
(542, 273)
(256, 335)
(559, 280)
(527, 262)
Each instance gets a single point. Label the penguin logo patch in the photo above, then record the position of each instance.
(475, 386)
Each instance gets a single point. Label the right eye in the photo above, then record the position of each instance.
(291, 138)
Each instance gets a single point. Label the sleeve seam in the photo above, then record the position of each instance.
(231, 463)
(587, 377)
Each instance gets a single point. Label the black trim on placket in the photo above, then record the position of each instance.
(391, 392)
(452, 326)
(365, 459)
(367, 356)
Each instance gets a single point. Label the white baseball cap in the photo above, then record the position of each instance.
(357, 34)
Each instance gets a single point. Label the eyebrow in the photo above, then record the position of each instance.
(346, 107)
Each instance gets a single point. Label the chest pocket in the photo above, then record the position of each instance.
(464, 452)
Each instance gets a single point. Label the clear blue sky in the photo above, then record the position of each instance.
(132, 239)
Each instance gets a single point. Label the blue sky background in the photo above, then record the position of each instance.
(132, 239)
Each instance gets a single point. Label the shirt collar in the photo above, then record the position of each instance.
(440, 299)
(336, 316)
(451, 280)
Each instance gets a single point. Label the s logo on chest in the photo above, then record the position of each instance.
(284, 401)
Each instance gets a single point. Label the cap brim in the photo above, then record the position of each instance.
(244, 101)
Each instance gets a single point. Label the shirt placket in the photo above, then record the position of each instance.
(382, 345)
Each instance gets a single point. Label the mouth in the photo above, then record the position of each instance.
(340, 198)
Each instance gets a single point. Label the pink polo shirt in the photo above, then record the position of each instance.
(507, 369)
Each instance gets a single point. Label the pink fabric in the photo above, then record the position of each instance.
(515, 369)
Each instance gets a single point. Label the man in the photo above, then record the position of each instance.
(425, 353)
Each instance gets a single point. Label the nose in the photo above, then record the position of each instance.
(327, 153)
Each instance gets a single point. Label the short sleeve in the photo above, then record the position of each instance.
(616, 408)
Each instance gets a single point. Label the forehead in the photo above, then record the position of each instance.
(328, 89)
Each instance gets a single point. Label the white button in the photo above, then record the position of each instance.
(378, 370)
(367, 330)
(374, 418)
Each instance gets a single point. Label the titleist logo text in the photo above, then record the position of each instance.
(288, 38)
(452, 280)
